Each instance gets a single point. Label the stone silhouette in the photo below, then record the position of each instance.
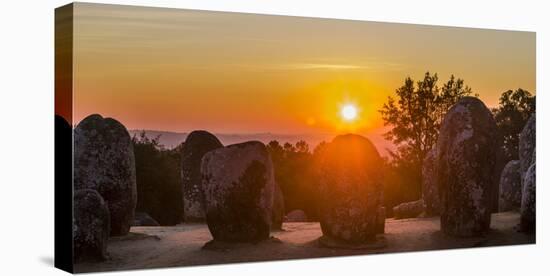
(104, 161)
(430, 191)
(466, 157)
(527, 144)
(239, 187)
(278, 213)
(91, 226)
(510, 187)
(528, 201)
(381, 220)
(350, 189)
(196, 145)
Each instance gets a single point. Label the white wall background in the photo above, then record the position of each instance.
(26, 136)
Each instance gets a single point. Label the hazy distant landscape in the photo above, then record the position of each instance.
(170, 139)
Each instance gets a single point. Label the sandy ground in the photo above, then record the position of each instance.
(181, 245)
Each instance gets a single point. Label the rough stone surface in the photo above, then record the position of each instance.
(527, 144)
(350, 189)
(510, 187)
(499, 166)
(430, 191)
(91, 226)
(196, 145)
(528, 201)
(104, 161)
(278, 209)
(144, 219)
(411, 209)
(381, 220)
(466, 157)
(296, 216)
(239, 187)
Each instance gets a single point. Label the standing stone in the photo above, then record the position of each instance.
(528, 201)
(510, 187)
(381, 220)
(499, 166)
(350, 189)
(196, 145)
(278, 209)
(430, 191)
(527, 144)
(104, 161)
(466, 157)
(91, 226)
(238, 186)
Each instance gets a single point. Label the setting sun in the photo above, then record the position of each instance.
(349, 112)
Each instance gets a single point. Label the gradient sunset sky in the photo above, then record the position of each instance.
(181, 70)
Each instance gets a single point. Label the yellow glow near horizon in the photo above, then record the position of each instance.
(349, 112)
(163, 69)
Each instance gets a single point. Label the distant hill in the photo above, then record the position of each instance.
(172, 139)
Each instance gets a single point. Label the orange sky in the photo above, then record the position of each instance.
(180, 70)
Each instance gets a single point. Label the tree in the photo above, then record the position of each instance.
(293, 171)
(415, 117)
(158, 180)
(515, 108)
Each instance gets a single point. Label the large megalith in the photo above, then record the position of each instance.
(350, 186)
(196, 145)
(104, 161)
(510, 187)
(527, 144)
(430, 191)
(239, 187)
(91, 226)
(528, 201)
(466, 157)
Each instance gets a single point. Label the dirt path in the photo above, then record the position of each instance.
(149, 247)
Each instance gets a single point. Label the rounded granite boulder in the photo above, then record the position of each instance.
(466, 157)
(91, 226)
(196, 145)
(528, 200)
(239, 186)
(104, 161)
(350, 186)
(527, 144)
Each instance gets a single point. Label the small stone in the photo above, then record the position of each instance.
(144, 219)
(411, 209)
(296, 216)
(91, 226)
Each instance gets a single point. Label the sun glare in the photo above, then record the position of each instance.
(349, 112)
